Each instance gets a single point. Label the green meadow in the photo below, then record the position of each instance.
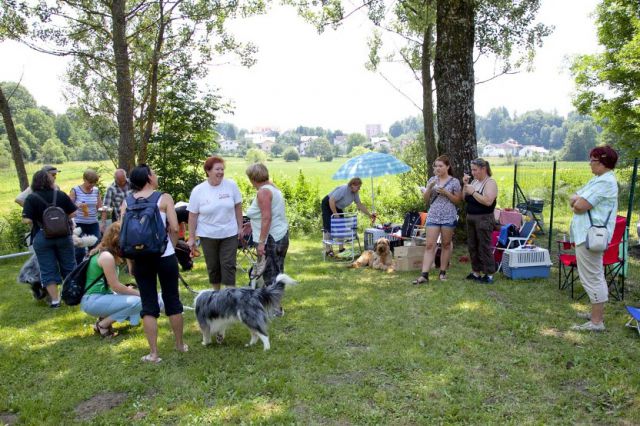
(354, 346)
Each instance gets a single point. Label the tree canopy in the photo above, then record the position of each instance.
(608, 83)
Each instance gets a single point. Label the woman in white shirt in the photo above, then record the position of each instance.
(215, 217)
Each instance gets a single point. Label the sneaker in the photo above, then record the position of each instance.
(589, 326)
(487, 279)
(442, 276)
(584, 315)
(54, 305)
(473, 277)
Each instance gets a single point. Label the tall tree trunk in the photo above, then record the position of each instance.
(453, 72)
(431, 150)
(16, 152)
(153, 97)
(126, 142)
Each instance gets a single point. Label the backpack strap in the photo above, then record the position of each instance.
(96, 280)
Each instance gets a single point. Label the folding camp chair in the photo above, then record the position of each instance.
(518, 241)
(612, 260)
(344, 230)
(635, 317)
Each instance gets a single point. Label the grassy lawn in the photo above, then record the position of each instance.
(354, 347)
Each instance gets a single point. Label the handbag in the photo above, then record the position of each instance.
(597, 235)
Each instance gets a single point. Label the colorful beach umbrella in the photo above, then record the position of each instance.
(371, 164)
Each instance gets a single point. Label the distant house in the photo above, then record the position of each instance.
(229, 146)
(373, 130)
(304, 143)
(493, 151)
(267, 144)
(379, 142)
(259, 138)
(340, 142)
(530, 150)
(508, 147)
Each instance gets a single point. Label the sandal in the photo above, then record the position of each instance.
(152, 360)
(420, 280)
(104, 332)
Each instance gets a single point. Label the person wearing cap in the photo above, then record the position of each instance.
(87, 197)
(53, 172)
(115, 194)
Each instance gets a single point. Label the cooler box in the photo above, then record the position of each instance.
(526, 262)
(371, 235)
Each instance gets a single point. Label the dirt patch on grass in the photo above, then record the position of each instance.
(100, 403)
(8, 418)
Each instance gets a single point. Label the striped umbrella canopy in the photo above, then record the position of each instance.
(371, 164)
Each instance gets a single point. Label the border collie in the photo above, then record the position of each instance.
(217, 309)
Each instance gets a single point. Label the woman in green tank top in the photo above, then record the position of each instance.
(109, 299)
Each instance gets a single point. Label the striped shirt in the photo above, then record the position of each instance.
(90, 213)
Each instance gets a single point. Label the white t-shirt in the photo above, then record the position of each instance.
(215, 206)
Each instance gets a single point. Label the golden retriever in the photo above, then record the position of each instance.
(379, 258)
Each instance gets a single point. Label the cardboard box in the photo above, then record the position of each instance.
(408, 263)
(408, 251)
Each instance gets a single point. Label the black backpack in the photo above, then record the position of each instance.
(74, 285)
(411, 220)
(55, 222)
(143, 232)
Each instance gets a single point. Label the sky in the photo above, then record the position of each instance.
(310, 79)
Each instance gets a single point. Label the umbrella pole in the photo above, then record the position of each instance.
(373, 204)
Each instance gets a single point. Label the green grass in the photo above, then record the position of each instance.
(354, 347)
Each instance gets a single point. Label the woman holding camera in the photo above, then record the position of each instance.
(480, 196)
(442, 193)
(597, 203)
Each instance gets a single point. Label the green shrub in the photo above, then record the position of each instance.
(291, 154)
(12, 232)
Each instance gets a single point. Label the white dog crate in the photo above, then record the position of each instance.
(527, 262)
(371, 235)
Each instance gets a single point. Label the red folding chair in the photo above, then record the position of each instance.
(611, 259)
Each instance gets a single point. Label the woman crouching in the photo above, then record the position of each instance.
(105, 296)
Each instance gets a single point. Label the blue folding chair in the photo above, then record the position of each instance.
(635, 317)
(344, 230)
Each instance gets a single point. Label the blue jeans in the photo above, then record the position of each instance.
(87, 229)
(120, 307)
(55, 257)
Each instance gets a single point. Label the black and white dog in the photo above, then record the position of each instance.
(216, 310)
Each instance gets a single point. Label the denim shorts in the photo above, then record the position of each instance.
(441, 225)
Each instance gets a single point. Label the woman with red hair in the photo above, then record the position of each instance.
(596, 203)
(215, 216)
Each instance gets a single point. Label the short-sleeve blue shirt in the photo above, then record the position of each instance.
(602, 193)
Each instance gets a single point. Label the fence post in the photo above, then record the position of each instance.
(632, 191)
(553, 200)
(515, 184)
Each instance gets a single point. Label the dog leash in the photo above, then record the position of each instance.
(187, 286)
